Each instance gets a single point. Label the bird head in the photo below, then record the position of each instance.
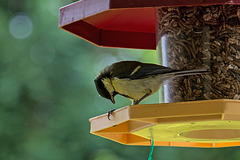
(105, 88)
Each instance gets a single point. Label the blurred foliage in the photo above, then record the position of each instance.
(47, 92)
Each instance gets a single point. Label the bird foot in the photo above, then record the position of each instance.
(110, 113)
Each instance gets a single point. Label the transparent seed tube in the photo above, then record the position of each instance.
(201, 36)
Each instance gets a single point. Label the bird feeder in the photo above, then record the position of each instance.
(199, 110)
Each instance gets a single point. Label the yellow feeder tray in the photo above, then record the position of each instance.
(209, 123)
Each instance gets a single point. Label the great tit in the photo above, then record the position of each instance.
(136, 80)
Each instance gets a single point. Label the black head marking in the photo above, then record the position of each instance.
(101, 88)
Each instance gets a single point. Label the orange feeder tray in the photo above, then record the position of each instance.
(133, 24)
(210, 123)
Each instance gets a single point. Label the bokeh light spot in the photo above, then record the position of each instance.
(20, 26)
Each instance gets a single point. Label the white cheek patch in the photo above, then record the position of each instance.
(108, 85)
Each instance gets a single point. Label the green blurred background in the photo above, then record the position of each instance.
(47, 92)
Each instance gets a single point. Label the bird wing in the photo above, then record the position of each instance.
(137, 70)
(147, 69)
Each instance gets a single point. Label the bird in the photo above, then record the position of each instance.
(136, 80)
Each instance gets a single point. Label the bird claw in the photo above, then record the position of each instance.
(110, 113)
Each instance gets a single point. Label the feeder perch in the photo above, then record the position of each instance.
(213, 123)
(199, 110)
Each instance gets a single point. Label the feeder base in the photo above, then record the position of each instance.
(210, 123)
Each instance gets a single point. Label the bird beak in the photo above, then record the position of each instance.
(112, 99)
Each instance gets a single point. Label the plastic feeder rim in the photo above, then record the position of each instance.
(120, 23)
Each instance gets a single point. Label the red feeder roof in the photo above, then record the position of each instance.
(120, 23)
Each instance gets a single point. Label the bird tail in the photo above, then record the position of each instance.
(191, 72)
